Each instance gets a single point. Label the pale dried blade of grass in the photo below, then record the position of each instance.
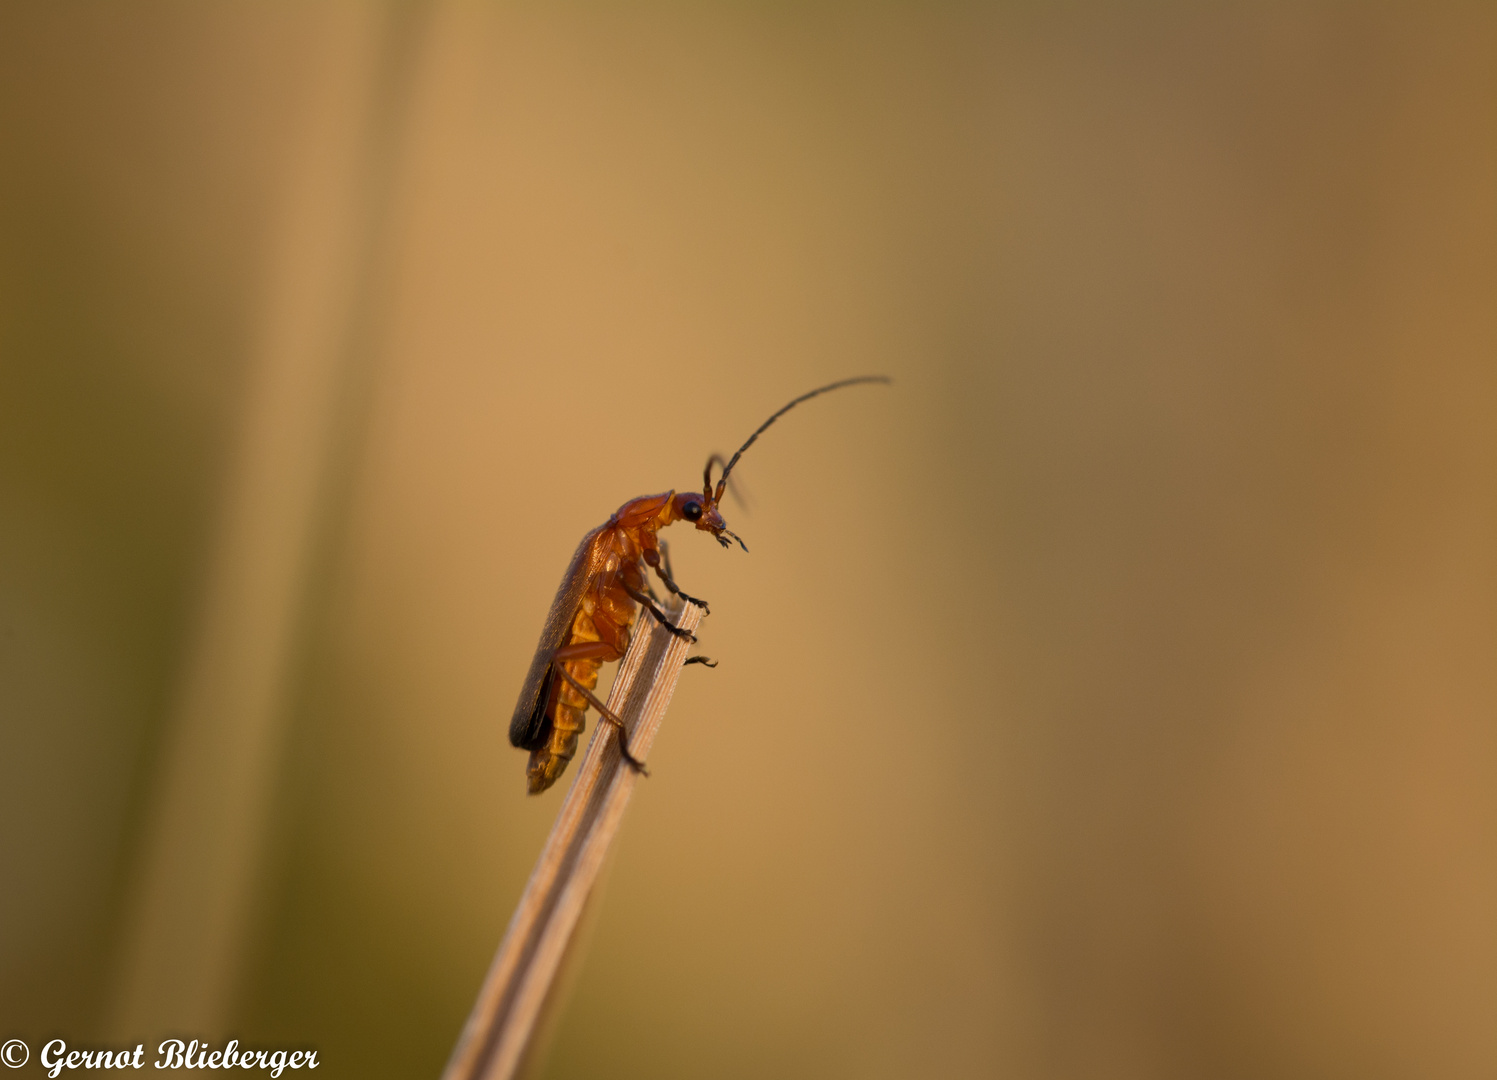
(500, 1028)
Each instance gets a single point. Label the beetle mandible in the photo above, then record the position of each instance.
(594, 610)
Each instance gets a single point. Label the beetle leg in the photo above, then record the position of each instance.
(699, 660)
(603, 711)
(646, 602)
(661, 561)
(663, 571)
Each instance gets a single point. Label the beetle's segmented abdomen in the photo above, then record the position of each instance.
(567, 708)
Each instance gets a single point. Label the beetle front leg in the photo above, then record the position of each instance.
(660, 616)
(663, 571)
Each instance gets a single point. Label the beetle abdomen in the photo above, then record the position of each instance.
(566, 709)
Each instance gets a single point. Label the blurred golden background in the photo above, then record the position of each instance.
(1114, 696)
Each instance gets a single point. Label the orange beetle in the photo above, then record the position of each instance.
(594, 609)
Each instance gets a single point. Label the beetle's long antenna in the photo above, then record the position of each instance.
(715, 459)
(722, 481)
(740, 496)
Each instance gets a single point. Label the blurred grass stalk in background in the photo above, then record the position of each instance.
(190, 916)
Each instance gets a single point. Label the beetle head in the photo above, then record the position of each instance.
(701, 510)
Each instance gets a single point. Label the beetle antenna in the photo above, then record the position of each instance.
(740, 495)
(715, 459)
(722, 481)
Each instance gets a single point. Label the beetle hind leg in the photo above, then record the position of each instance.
(607, 714)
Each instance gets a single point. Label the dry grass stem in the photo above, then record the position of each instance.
(500, 1029)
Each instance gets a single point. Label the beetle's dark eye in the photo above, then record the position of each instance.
(692, 511)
